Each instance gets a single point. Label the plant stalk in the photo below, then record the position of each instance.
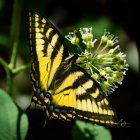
(15, 30)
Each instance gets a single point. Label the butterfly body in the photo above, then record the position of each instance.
(64, 90)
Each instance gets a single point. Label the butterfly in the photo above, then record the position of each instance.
(64, 90)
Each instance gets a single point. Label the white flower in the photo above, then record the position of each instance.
(72, 38)
(107, 66)
(109, 39)
(86, 33)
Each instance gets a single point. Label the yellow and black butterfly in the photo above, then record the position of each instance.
(64, 90)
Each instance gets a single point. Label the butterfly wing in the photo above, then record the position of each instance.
(76, 95)
(47, 51)
(66, 90)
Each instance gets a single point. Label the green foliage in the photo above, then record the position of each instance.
(13, 121)
(87, 131)
(99, 25)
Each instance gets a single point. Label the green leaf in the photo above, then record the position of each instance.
(88, 131)
(13, 121)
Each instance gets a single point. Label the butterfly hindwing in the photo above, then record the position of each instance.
(66, 90)
(77, 96)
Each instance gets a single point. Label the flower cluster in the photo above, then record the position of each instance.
(102, 59)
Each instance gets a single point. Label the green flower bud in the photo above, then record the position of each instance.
(72, 38)
(102, 72)
(87, 36)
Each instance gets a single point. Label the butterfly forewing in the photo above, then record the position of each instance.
(73, 94)
(47, 50)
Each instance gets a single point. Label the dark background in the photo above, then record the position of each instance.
(119, 17)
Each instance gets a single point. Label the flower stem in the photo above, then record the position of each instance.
(103, 49)
(8, 75)
(4, 63)
(15, 29)
(21, 68)
(96, 51)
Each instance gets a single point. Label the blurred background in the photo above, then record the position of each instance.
(118, 17)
